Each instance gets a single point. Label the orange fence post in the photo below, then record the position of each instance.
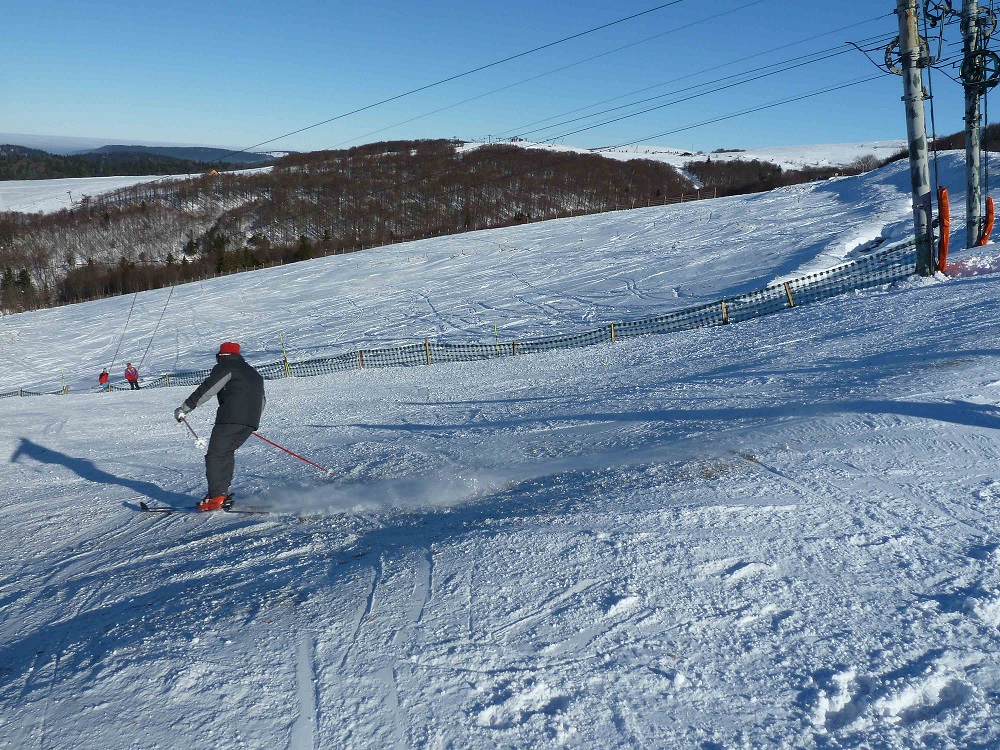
(988, 226)
(944, 217)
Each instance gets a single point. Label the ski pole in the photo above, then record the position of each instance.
(199, 442)
(328, 472)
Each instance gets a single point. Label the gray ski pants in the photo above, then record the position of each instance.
(220, 461)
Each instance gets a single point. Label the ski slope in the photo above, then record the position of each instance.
(780, 533)
(48, 196)
(539, 279)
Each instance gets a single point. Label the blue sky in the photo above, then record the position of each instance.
(236, 74)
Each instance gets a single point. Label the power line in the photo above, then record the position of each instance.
(554, 70)
(456, 77)
(699, 72)
(778, 103)
(689, 98)
(781, 66)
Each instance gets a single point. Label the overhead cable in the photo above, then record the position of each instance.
(455, 77)
(734, 61)
(553, 71)
(778, 103)
(780, 67)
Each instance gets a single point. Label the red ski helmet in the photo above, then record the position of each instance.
(229, 347)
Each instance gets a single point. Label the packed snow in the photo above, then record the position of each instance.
(780, 533)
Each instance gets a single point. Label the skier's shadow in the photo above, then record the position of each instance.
(87, 470)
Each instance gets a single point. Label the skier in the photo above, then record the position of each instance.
(132, 376)
(240, 390)
(103, 379)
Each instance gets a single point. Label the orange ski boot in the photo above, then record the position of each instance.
(212, 503)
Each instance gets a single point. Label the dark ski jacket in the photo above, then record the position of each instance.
(240, 389)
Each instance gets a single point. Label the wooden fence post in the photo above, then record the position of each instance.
(788, 291)
(361, 360)
(725, 313)
(513, 347)
(613, 336)
(427, 350)
(167, 376)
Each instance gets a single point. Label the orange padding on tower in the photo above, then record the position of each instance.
(944, 213)
(988, 227)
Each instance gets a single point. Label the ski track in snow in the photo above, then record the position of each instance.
(303, 732)
(775, 534)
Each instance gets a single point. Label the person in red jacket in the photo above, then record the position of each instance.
(132, 376)
(103, 379)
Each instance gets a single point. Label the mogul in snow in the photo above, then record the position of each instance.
(240, 390)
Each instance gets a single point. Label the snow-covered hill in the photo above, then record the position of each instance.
(787, 157)
(780, 533)
(45, 196)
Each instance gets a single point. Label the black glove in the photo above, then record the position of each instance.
(180, 412)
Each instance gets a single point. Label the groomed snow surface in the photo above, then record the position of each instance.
(781, 533)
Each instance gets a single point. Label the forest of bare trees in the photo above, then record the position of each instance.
(327, 202)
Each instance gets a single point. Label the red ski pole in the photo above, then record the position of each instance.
(328, 472)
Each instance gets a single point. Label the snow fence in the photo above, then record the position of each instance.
(880, 267)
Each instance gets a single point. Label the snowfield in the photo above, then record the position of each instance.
(49, 196)
(787, 157)
(781, 533)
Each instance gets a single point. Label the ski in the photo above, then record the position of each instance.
(193, 509)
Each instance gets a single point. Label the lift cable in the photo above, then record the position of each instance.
(122, 338)
(553, 71)
(683, 99)
(778, 103)
(698, 72)
(779, 67)
(452, 78)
